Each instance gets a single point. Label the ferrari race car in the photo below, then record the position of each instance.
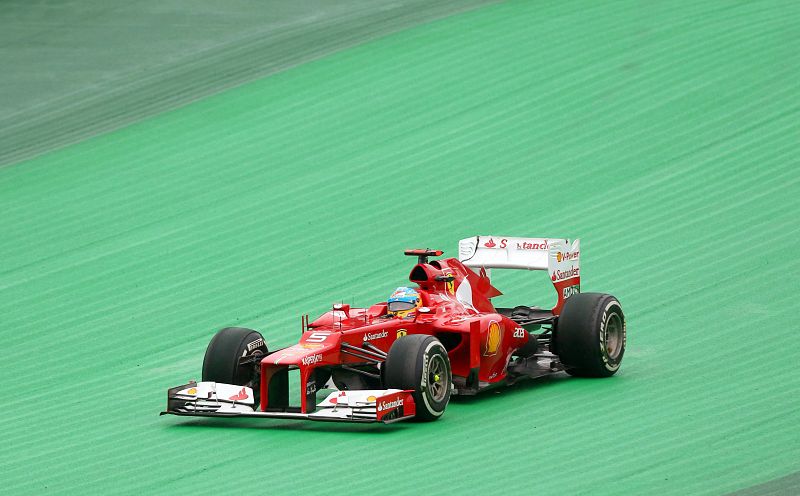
(403, 358)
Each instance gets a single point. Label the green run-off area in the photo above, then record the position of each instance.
(664, 136)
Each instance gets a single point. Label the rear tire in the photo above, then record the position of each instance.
(420, 363)
(590, 335)
(221, 362)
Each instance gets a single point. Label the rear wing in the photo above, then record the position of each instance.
(559, 257)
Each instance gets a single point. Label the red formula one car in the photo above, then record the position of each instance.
(403, 358)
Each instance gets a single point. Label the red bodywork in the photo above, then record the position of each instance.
(479, 340)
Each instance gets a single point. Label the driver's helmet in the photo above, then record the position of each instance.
(403, 301)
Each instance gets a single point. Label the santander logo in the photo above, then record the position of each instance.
(387, 405)
(242, 395)
(376, 335)
(492, 244)
(559, 275)
(524, 245)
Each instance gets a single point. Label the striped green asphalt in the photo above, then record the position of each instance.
(664, 136)
(86, 66)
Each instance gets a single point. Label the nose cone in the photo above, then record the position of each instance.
(314, 348)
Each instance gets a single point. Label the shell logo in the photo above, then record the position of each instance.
(450, 286)
(493, 337)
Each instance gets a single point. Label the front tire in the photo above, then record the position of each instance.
(590, 335)
(420, 363)
(227, 347)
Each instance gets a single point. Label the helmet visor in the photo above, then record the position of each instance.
(400, 306)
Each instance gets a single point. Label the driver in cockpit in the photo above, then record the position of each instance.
(403, 301)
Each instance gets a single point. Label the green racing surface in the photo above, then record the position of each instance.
(137, 219)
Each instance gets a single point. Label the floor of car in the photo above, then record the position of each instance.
(527, 314)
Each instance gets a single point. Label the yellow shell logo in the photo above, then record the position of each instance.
(401, 333)
(493, 336)
(450, 286)
(192, 391)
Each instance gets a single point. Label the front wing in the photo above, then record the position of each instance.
(215, 399)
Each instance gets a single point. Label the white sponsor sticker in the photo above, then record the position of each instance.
(255, 344)
(387, 405)
(375, 335)
(311, 359)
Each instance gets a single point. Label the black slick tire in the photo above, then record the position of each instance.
(227, 347)
(590, 335)
(420, 363)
